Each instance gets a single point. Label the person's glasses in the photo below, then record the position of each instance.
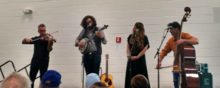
(88, 22)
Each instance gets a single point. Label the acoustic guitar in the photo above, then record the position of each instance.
(107, 78)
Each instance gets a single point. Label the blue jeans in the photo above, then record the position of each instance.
(176, 79)
(92, 63)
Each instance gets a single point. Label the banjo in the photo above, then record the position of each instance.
(87, 41)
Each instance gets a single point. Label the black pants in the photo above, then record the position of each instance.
(35, 67)
(92, 63)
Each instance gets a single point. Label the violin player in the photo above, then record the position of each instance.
(42, 49)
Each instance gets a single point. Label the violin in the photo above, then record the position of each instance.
(46, 37)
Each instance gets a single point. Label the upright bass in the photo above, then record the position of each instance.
(185, 59)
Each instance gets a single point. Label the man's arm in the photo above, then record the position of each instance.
(50, 44)
(167, 49)
(160, 59)
(192, 41)
(188, 39)
(164, 52)
(104, 41)
(28, 41)
(24, 41)
(79, 38)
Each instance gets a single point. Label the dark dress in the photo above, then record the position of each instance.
(138, 66)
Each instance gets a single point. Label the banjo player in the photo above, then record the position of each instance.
(91, 58)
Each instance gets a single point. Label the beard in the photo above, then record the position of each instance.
(91, 27)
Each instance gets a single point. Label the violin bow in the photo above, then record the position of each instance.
(43, 36)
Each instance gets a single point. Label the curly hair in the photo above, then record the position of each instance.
(84, 24)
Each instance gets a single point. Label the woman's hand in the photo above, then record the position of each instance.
(134, 58)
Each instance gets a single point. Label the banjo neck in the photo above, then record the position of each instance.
(90, 38)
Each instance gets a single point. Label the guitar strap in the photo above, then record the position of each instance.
(94, 30)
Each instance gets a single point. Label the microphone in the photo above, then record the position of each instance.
(169, 28)
(89, 25)
(136, 32)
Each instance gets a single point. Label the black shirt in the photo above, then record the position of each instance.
(41, 54)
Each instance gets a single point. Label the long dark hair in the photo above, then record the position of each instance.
(140, 35)
(84, 24)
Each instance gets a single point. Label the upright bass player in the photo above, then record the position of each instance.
(171, 44)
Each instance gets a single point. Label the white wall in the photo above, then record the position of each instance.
(65, 16)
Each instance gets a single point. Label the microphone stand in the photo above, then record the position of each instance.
(157, 54)
(82, 71)
(129, 57)
(82, 63)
